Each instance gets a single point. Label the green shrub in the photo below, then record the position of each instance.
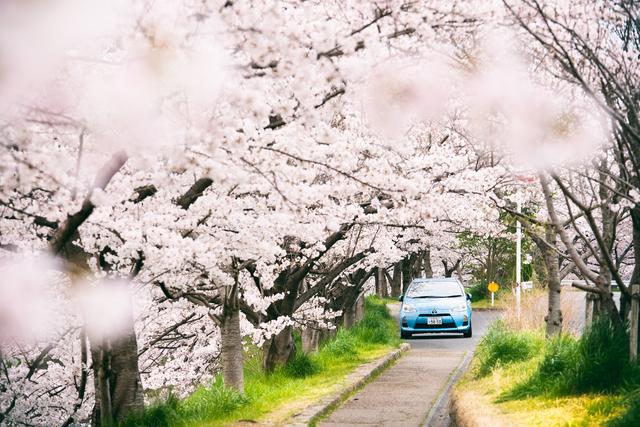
(162, 414)
(478, 291)
(216, 398)
(595, 362)
(603, 358)
(344, 344)
(377, 326)
(302, 366)
(559, 362)
(560, 357)
(631, 416)
(501, 346)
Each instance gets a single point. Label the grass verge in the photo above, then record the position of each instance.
(520, 378)
(275, 397)
(485, 304)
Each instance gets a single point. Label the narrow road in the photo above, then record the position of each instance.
(404, 394)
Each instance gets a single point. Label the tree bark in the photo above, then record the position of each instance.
(416, 265)
(625, 303)
(406, 274)
(359, 308)
(311, 338)
(382, 283)
(396, 281)
(426, 260)
(349, 317)
(553, 318)
(231, 351)
(448, 271)
(117, 379)
(279, 349)
(102, 409)
(349, 307)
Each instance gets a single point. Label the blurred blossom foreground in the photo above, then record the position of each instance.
(183, 179)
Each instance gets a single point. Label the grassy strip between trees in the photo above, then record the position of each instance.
(277, 396)
(524, 379)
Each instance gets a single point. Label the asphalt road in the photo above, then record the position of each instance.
(414, 391)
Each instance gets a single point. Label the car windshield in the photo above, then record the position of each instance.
(434, 290)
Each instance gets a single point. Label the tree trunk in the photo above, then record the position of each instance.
(448, 271)
(396, 282)
(102, 410)
(326, 334)
(553, 318)
(359, 308)
(279, 349)
(416, 265)
(607, 218)
(349, 317)
(116, 371)
(406, 274)
(426, 260)
(231, 351)
(381, 281)
(625, 303)
(311, 338)
(607, 305)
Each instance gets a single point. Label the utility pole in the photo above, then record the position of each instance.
(518, 254)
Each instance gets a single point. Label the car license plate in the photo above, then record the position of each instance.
(434, 321)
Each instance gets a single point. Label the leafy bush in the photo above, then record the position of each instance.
(377, 326)
(559, 361)
(217, 398)
(344, 344)
(478, 291)
(595, 362)
(161, 414)
(214, 399)
(560, 356)
(302, 366)
(502, 345)
(603, 358)
(631, 416)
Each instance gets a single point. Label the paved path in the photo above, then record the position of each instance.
(404, 394)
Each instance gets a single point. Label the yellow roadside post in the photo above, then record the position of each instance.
(493, 288)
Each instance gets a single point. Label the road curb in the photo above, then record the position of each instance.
(354, 381)
(487, 309)
(446, 392)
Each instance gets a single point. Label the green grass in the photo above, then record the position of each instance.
(275, 397)
(485, 304)
(595, 362)
(563, 381)
(503, 346)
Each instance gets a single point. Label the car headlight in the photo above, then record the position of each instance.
(408, 308)
(460, 307)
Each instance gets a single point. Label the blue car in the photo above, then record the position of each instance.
(435, 305)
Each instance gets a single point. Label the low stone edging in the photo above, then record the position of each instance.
(354, 381)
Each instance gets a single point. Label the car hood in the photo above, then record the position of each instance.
(437, 303)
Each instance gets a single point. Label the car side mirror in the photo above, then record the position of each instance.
(468, 296)
(400, 298)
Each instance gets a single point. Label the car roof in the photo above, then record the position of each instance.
(435, 279)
